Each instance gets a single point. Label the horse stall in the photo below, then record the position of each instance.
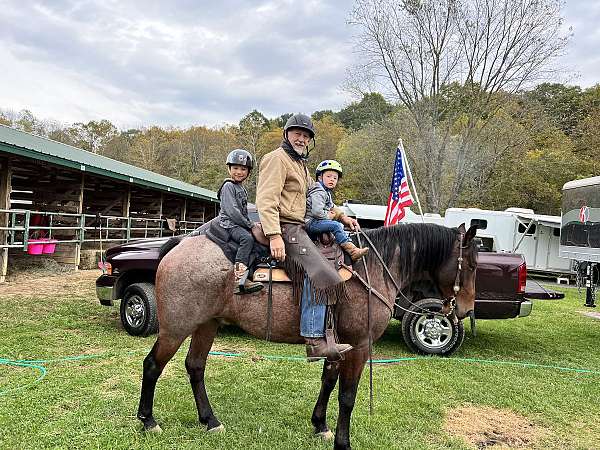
(61, 202)
(516, 230)
(580, 232)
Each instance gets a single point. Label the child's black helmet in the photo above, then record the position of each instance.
(300, 121)
(240, 157)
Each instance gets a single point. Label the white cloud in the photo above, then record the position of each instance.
(187, 62)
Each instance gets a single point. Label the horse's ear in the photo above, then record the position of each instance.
(462, 229)
(469, 235)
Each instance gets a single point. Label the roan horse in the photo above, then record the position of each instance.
(194, 293)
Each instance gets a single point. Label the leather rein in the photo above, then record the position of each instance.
(422, 311)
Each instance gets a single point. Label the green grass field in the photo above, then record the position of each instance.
(90, 401)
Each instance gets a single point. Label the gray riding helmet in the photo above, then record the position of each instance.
(300, 121)
(240, 157)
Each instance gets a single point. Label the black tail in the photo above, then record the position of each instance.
(170, 245)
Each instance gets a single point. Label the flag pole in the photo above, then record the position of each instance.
(409, 173)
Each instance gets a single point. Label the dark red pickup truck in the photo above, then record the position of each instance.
(501, 281)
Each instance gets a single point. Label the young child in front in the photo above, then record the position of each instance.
(321, 214)
(233, 216)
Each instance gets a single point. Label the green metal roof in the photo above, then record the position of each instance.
(36, 147)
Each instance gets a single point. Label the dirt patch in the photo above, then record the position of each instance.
(484, 427)
(592, 314)
(81, 282)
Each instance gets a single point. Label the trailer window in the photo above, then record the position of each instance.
(530, 231)
(481, 224)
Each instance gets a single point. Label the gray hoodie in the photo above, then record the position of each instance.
(318, 203)
(234, 205)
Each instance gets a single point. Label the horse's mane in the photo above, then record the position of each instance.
(169, 245)
(419, 246)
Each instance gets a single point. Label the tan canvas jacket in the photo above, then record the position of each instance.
(281, 191)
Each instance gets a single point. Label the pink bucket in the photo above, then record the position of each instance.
(35, 246)
(49, 246)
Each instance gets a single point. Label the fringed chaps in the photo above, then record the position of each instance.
(304, 258)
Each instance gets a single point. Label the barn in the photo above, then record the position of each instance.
(58, 200)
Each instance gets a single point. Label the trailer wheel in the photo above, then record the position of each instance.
(430, 334)
(138, 310)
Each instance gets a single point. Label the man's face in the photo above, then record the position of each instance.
(329, 179)
(299, 138)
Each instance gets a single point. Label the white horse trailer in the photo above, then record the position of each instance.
(516, 230)
(580, 231)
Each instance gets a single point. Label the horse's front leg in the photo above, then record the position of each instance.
(349, 373)
(319, 415)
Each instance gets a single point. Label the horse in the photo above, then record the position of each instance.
(194, 294)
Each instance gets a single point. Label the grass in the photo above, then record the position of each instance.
(91, 403)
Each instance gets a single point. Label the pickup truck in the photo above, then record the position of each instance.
(501, 279)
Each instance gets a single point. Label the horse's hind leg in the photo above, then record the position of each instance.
(195, 363)
(162, 351)
(319, 415)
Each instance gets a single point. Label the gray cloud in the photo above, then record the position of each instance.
(184, 62)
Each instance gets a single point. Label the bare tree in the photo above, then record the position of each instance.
(451, 63)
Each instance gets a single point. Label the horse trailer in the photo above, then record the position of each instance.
(580, 231)
(517, 230)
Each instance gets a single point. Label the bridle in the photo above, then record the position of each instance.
(418, 310)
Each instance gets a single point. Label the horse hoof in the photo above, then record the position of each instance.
(155, 429)
(325, 435)
(219, 429)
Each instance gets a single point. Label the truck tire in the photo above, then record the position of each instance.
(430, 334)
(138, 310)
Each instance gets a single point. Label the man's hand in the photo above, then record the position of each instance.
(350, 222)
(277, 247)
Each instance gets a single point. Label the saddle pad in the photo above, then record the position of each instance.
(261, 274)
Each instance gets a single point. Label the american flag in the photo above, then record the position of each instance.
(400, 196)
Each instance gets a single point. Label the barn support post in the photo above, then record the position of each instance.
(5, 187)
(125, 213)
(82, 223)
(160, 214)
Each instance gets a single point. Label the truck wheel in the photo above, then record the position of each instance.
(138, 310)
(430, 334)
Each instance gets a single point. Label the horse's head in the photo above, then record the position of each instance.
(456, 277)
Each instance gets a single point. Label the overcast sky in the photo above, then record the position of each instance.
(189, 62)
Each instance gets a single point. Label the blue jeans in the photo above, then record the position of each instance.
(318, 226)
(312, 316)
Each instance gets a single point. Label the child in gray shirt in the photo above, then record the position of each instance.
(321, 214)
(233, 216)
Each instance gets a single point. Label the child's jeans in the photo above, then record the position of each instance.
(317, 226)
(244, 238)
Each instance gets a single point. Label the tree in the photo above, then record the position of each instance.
(93, 135)
(280, 121)
(563, 104)
(371, 108)
(414, 49)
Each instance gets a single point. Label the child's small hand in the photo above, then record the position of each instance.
(330, 214)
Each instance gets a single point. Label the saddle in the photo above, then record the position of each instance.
(326, 245)
(260, 259)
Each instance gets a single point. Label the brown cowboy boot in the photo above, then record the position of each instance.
(239, 270)
(355, 252)
(317, 349)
